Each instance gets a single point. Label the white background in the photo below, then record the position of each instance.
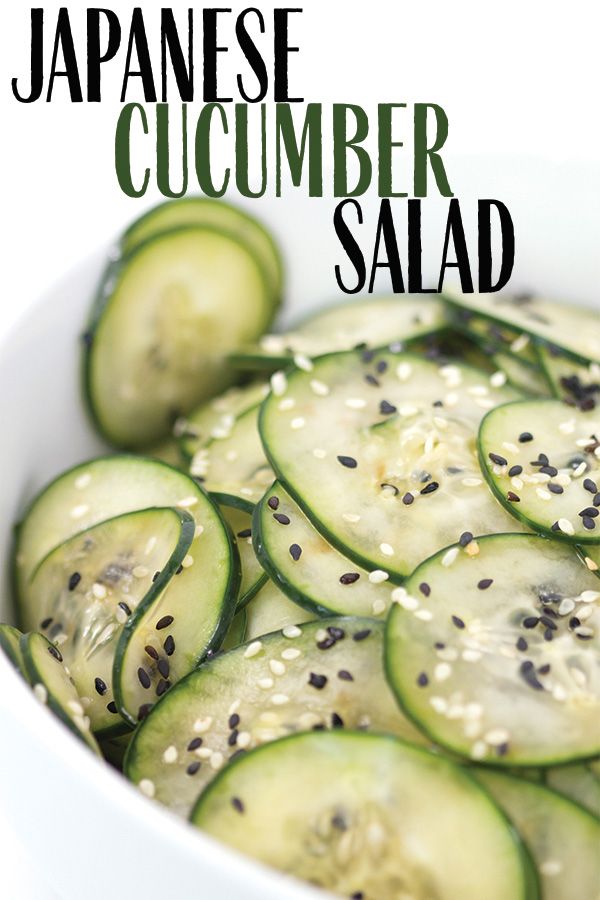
(518, 81)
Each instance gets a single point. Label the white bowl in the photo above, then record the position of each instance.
(92, 833)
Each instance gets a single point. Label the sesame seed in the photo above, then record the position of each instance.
(237, 804)
(458, 622)
(319, 388)
(318, 453)
(273, 502)
(361, 635)
(276, 667)
(100, 686)
(291, 631)
(449, 557)
(405, 600)
(303, 362)
(295, 552)
(281, 518)
(377, 576)
(485, 583)
(164, 622)
(112, 707)
(497, 459)
(74, 580)
(143, 678)
(290, 653)
(78, 511)
(424, 614)
(386, 408)
(566, 526)
(425, 589)
(317, 681)
(525, 437)
(345, 675)
(297, 423)
(193, 767)
(355, 403)
(147, 787)
(514, 498)
(408, 498)
(386, 549)
(279, 699)
(349, 578)
(278, 383)
(55, 652)
(265, 684)
(465, 538)
(442, 671)
(170, 755)
(422, 679)
(551, 867)
(347, 461)
(429, 488)
(378, 606)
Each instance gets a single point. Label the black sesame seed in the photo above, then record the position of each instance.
(555, 526)
(273, 502)
(549, 470)
(387, 409)
(381, 366)
(543, 670)
(528, 674)
(164, 622)
(155, 576)
(497, 459)
(245, 533)
(111, 707)
(349, 577)
(422, 679)
(169, 645)
(465, 538)
(502, 749)
(367, 355)
(193, 767)
(55, 652)
(152, 653)
(547, 621)
(588, 523)
(357, 895)
(361, 635)
(162, 687)
(408, 498)
(429, 488)
(556, 489)
(386, 484)
(194, 744)
(317, 681)
(336, 720)
(74, 580)
(122, 605)
(530, 621)
(589, 511)
(425, 589)
(574, 622)
(548, 634)
(339, 822)
(142, 711)
(522, 644)
(525, 437)
(439, 645)
(348, 461)
(590, 485)
(514, 498)
(281, 518)
(336, 633)
(456, 620)
(326, 643)
(46, 623)
(584, 637)
(515, 470)
(237, 803)
(100, 686)
(318, 727)
(234, 720)
(164, 667)
(295, 552)
(484, 584)
(179, 570)
(232, 739)
(597, 499)
(370, 379)
(345, 675)
(143, 678)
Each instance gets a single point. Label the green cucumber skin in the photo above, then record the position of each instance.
(248, 507)
(512, 508)
(103, 296)
(12, 648)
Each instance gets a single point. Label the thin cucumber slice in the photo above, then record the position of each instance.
(563, 838)
(237, 631)
(216, 418)
(238, 515)
(88, 590)
(209, 212)
(167, 451)
(578, 783)
(165, 319)
(494, 337)
(522, 377)
(374, 817)
(270, 610)
(114, 749)
(495, 651)
(284, 682)
(234, 465)
(573, 328)
(309, 570)
(576, 383)
(10, 644)
(542, 460)
(370, 321)
(102, 489)
(386, 473)
(53, 686)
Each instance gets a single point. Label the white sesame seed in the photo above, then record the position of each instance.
(471, 482)
(386, 549)
(404, 599)
(496, 736)
(233, 707)
(563, 479)
(516, 482)
(438, 704)
(204, 752)
(551, 867)
(286, 404)
(591, 564)
(319, 388)
(276, 667)
(404, 371)
(377, 576)
(472, 729)
(265, 684)
(509, 447)
(290, 653)
(378, 606)
(308, 719)
(147, 787)
(485, 402)
(252, 649)
(216, 760)
(351, 517)
(471, 655)
(424, 614)
(519, 343)
(244, 739)
(585, 612)
(567, 427)
(543, 494)
(473, 711)
(355, 402)
(99, 591)
(120, 615)
(321, 635)
(319, 453)
(291, 631)
(303, 362)
(407, 410)
(442, 671)
(580, 470)
(75, 707)
(589, 596)
(498, 379)
(584, 631)
(448, 654)
(478, 750)
(170, 755)
(450, 556)
(451, 399)
(559, 693)
(297, 423)
(478, 390)
(566, 526)
(78, 511)
(201, 726)
(187, 561)
(578, 676)
(280, 699)
(82, 481)
(566, 606)
(278, 383)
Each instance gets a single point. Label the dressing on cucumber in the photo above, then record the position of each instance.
(494, 650)
(374, 818)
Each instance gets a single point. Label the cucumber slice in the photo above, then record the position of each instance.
(216, 418)
(359, 438)
(494, 337)
(234, 466)
(574, 329)
(307, 568)
(165, 319)
(237, 631)
(553, 453)
(374, 818)
(102, 489)
(238, 515)
(209, 212)
(285, 682)
(578, 783)
(270, 610)
(522, 377)
(496, 653)
(83, 593)
(10, 644)
(167, 451)
(572, 381)
(563, 838)
(370, 321)
(53, 686)
(114, 749)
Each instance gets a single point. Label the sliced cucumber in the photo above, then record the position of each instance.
(238, 515)
(496, 653)
(327, 674)
(234, 465)
(578, 783)
(167, 451)
(542, 460)
(386, 473)
(494, 337)
(563, 838)
(307, 568)
(10, 644)
(574, 329)
(576, 383)
(237, 631)
(270, 610)
(53, 686)
(370, 321)
(523, 377)
(165, 319)
(83, 593)
(374, 817)
(208, 212)
(114, 749)
(216, 418)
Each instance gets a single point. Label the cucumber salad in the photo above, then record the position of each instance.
(332, 594)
